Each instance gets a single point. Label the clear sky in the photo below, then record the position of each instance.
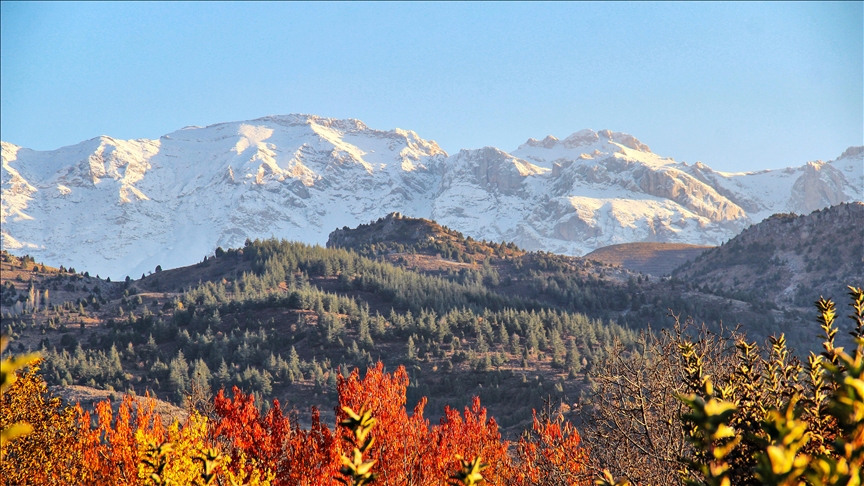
(738, 86)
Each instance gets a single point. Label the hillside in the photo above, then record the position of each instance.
(281, 319)
(575, 284)
(173, 200)
(787, 259)
(657, 259)
(399, 234)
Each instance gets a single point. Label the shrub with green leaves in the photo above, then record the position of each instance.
(772, 423)
(746, 417)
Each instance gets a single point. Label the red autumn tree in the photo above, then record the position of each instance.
(471, 435)
(271, 444)
(400, 439)
(552, 454)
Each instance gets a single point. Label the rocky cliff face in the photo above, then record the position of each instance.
(119, 207)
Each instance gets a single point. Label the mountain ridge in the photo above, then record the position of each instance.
(124, 206)
(788, 258)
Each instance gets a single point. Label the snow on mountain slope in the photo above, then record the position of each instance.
(802, 189)
(119, 207)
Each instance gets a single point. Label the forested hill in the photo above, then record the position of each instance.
(396, 233)
(787, 259)
(585, 285)
(281, 319)
(730, 287)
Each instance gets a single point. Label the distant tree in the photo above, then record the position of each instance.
(158, 268)
(223, 375)
(573, 360)
(178, 374)
(411, 353)
(363, 332)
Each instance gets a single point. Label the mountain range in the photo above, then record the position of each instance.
(120, 207)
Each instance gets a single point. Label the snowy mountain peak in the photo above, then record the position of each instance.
(585, 144)
(588, 138)
(118, 207)
(624, 139)
(547, 142)
(853, 152)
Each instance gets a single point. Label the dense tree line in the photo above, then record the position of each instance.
(213, 334)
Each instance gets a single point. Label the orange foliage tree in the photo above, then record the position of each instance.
(408, 451)
(552, 453)
(111, 451)
(400, 439)
(272, 445)
(50, 453)
(66, 446)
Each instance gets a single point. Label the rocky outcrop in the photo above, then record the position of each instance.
(489, 168)
(819, 186)
(690, 193)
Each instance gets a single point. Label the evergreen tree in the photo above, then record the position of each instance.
(574, 360)
(411, 354)
(379, 325)
(363, 332)
(294, 372)
(201, 376)
(223, 375)
(115, 366)
(178, 375)
(159, 369)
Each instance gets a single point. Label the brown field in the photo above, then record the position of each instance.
(656, 259)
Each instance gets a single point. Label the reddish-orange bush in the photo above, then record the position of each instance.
(112, 450)
(471, 435)
(552, 454)
(401, 440)
(296, 456)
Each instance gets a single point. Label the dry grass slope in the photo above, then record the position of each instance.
(656, 259)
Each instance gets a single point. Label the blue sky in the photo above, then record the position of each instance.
(738, 86)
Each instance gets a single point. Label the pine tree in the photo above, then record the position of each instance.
(201, 376)
(574, 360)
(115, 366)
(178, 375)
(223, 375)
(380, 325)
(502, 335)
(363, 332)
(294, 372)
(411, 354)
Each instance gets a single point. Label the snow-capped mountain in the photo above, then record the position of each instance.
(119, 207)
